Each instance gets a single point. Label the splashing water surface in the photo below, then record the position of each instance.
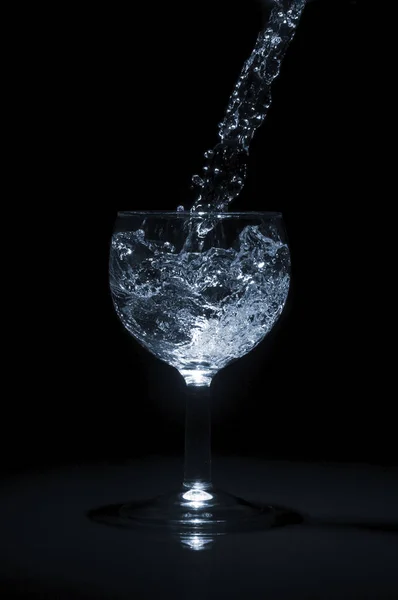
(199, 309)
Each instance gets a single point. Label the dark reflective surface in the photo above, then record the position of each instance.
(50, 549)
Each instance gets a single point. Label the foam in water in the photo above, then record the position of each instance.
(224, 171)
(199, 309)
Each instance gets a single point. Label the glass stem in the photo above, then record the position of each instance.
(197, 468)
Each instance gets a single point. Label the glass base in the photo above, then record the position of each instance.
(196, 512)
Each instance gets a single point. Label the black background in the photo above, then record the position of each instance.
(123, 103)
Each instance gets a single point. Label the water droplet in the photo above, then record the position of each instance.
(196, 180)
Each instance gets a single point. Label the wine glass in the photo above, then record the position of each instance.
(199, 290)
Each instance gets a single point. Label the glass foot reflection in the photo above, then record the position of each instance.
(196, 516)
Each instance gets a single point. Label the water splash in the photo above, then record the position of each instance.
(224, 171)
(199, 309)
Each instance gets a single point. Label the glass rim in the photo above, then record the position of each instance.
(185, 213)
